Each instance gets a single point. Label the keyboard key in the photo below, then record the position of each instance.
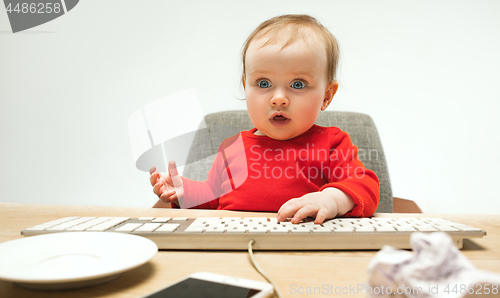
(168, 228)
(161, 219)
(61, 227)
(385, 229)
(98, 228)
(405, 229)
(231, 218)
(196, 224)
(237, 230)
(448, 229)
(60, 221)
(257, 230)
(467, 228)
(37, 228)
(322, 230)
(215, 229)
(74, 222)
(194, 230)
(97, 221)
(426, 229)
(148, 227)
(343, 230)
(367, 229)
(279, 230)
(128, 227)
(79, 228)
(300, 230)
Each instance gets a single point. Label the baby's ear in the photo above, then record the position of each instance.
(330, 91)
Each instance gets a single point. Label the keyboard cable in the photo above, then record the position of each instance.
(257, 267)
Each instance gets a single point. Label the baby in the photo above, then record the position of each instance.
(286, 163)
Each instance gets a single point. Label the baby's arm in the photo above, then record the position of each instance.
(169, 188)
(325, 204)
(352, 190)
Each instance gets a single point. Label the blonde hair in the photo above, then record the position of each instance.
(291, 28)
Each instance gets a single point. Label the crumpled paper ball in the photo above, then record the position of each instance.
(435, 268)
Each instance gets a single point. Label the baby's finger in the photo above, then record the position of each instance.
(174, 174)
(162, 178)
(285, 205)
(154, 178)
(307, 210)
(321, 216)
(289, 209)
(168, 196)
(157, 188)
(172, 168)
(152, 170)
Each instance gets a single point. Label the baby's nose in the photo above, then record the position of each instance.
(279, 100)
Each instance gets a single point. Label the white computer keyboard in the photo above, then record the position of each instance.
(234, 233)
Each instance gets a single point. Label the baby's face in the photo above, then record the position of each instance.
(286, 88)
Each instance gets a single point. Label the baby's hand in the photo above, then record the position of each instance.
(169, 188)
(329, 203)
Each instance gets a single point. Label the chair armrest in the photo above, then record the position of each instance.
(404, 206)
(161, 204)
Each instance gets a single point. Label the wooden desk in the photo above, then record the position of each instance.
(302, 269)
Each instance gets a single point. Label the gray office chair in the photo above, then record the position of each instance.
(359, 126)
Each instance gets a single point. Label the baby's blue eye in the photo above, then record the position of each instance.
(298, 85)
(264, 84)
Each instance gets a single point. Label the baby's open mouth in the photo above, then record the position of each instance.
(279, 120)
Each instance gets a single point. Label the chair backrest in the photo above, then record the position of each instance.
(359, 126)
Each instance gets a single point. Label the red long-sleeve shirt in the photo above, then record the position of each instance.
(258, 173)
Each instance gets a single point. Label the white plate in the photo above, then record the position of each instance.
(72, 260)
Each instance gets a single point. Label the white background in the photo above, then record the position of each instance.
(427, 72)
